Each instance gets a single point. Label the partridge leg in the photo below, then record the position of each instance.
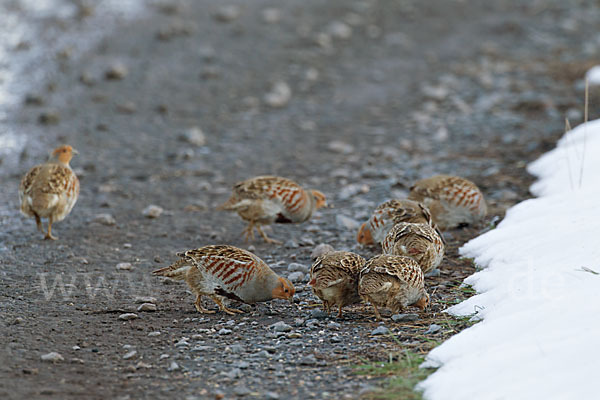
(38, 222)
(200, 308)
(230, 311)
(49, 234)
(248, 232)
(377, 315)
(340, 311)
(265, 237)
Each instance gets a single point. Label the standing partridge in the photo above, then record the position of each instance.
(334, 279)
(418, 241)
(389, 213)
(452, 200)
(226, 271)
(394, 282)
(50, 190)
(271, 199)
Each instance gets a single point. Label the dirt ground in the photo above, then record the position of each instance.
(382, 93)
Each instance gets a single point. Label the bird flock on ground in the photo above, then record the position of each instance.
(407, 230)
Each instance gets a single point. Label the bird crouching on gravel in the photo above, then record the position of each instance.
(226, 271)
(391, 281)
(334, 279)
(389, 213)
(50, 190)
(418, 241)
(453, 201)
(265, 200)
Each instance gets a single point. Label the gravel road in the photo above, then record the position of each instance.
(171, 103)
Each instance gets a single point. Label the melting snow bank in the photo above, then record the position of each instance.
(539, 292)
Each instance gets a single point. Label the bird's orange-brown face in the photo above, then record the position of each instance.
(64, 153)
(423, 302)
(364, 235)
(321, 200)
(285, 290)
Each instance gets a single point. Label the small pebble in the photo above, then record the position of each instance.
(144, 299)
(129, 355)
(380, 330)
(194, 136)
(271, 15)
(293, 267)
(116, 72)
(128, 316)
(346, 222)
(339, 30)
(124, 266)
(321, 249)
(281, 327)
(52, 357)
(433, 328)
(173, 367)
(227, 13)
(279, 96)
(154, 334)
(296, 277)
(152, 211)
(105, 219)
(147, 307)
(404, 317)
(225, 331)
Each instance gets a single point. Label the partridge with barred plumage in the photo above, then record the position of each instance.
(452, 200)
(266, 200)
(391, 281)
(223, 271)
(334, 279)
(50, 190)
(389, 213)
(418, 241)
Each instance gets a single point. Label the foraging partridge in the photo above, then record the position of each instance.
(50, 190)
(418, 241)
(452, 200)
(334, 279)
(271, 199)
(226, 271)
(389, 213)
(394, 282)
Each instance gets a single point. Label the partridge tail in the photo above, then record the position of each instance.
(176, 271)
(42, 201)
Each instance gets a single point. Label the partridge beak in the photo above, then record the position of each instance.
(74, 151)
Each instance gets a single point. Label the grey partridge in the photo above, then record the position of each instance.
(334, 279)
(223, 271)
(418, 241)
(452, 200)
(265, 200)
(389, 213)
(391, 281)
(50, 190)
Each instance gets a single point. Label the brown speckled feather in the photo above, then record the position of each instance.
(419, 241)
(50, 190)
(334, 278)
(452, 200)
(392, 281)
